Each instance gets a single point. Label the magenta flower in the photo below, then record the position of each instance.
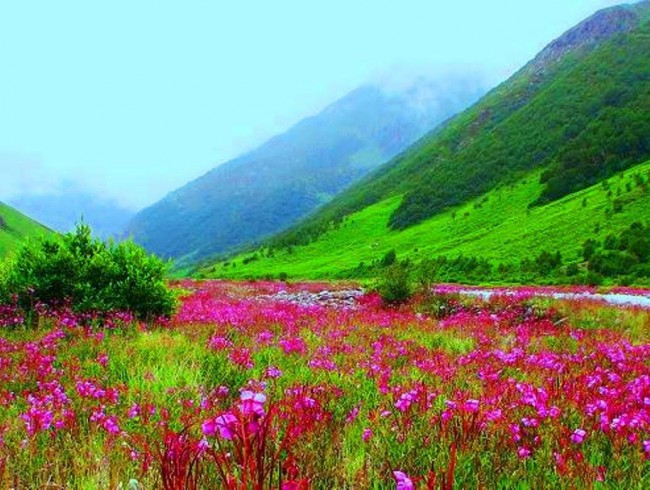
(225, 424)
(209, 427)
(524, 453)
(111, 426)
(134, 411)
(273, 372)
(471, 406)
(405, 400)
(403, 481)
(352, 415)
(367, 435)
(203, 445)
(578, 436)
(252, 403)
(219, 343)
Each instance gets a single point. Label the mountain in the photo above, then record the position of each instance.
(273, 186)
(15, 228)
(571, 118)
(62, 211)
(497, 226)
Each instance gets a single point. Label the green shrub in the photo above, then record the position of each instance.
(92, 275)
(394, 285)
(388, 259)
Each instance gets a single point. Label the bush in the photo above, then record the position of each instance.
(388, 259)
(92, 275)
(394, 285)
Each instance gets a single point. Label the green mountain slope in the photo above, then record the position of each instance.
(497, 226)
(578, 111)
(552, 157)
(15, 228)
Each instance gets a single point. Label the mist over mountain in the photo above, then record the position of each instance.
(62, 211)
(273, 186)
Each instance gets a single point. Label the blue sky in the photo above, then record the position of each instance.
(131, 99)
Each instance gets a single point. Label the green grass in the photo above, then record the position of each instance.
(498, 226)
(15, 228)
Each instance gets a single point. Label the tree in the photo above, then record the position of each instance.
(92, 275)
(394, 284)
(388, 259)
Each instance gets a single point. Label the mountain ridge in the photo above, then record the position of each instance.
(573, 116)
(270, 187)
(490, 132)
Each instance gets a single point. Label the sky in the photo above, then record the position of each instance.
(130, 99)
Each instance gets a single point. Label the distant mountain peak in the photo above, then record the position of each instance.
(271, 187)
(600, 27)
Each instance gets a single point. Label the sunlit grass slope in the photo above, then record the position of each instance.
(15, 228)
(498, 226)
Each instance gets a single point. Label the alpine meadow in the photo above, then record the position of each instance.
(424, 262)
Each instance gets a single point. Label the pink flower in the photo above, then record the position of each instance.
(265, 337)
(202, 445)
(578, 436)
(219, 343)
(352, 415)
(252, 403)
(273, 372)
(530, 422)
(403, 481)
(367, 435)
(494, 415)
(524, 453)
(405, 400)
(471, 406)
(134, 411)
(102, 359)
(226, 424)
(209, 427)
(110, 424)
(293, 345)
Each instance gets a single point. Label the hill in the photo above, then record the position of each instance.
(502, 178)
(497, 226)
(577, 111)
(272, 187)
(15, 228)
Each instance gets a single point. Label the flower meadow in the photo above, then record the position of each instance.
(255, 385)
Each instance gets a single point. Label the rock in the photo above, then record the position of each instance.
(344, 299)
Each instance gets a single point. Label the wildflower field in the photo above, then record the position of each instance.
(292, 386)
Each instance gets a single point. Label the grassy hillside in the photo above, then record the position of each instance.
(15, 228)
(577, 111)
(498, 226)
